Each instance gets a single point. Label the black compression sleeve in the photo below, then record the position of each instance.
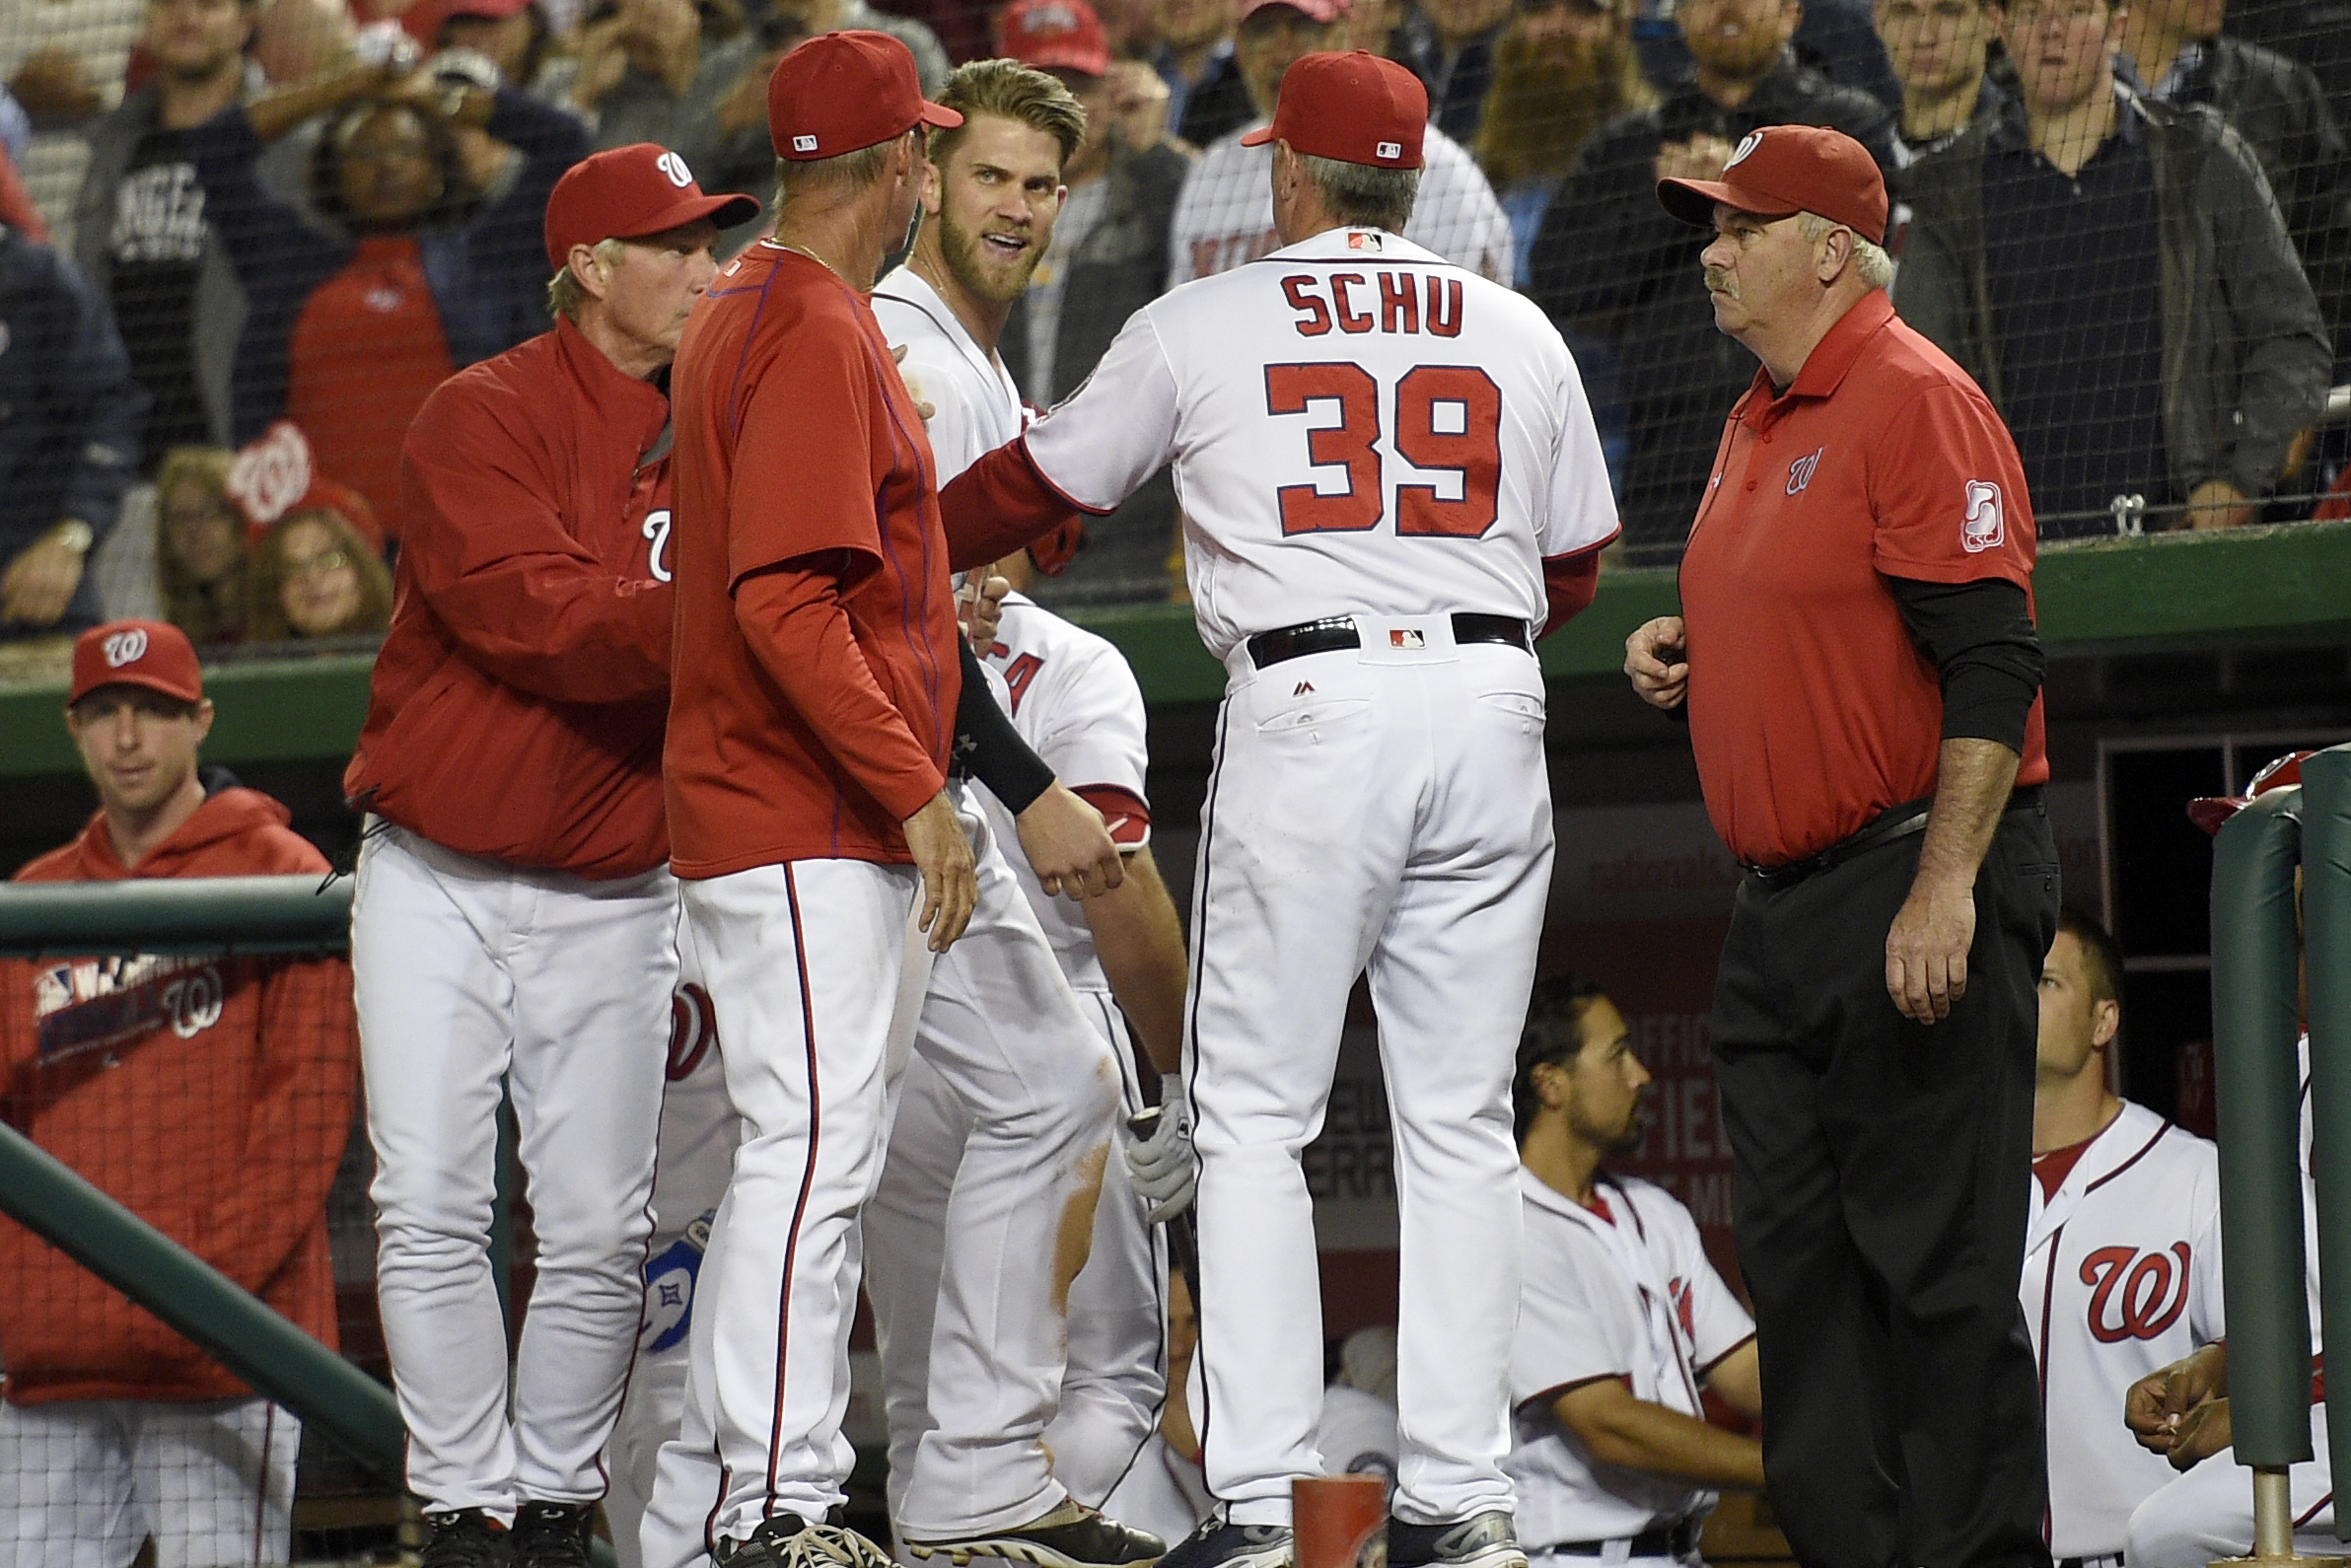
(1980, 638)
(989, 749)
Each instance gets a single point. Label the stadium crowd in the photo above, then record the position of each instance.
(250, 237)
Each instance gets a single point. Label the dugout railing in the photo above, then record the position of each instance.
(2275, 962)
(201, 917)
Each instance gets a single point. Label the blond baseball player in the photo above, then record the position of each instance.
(1390, 482)
(1224, 217)
(2122, 1264)
(1622, 1321)
(992, 191)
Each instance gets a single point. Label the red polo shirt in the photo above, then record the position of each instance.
(1810, 709)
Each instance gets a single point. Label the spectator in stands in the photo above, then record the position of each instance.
(1207, 100)
(2115, 274)
(313, 576)
(1609, 261)
(1376, 27)
(347, 335)
(69, 437)
(139, 228)
(1225, 216)
(1562, 69)
(815, 16)
(210, 1096)
(16, 210)
(648, 66)
(1449, 45)
(1937, 49)
(2179, 55)
(1833, 38)
(1108, 259)
(515, 35)
(200, 554)
(296, 41)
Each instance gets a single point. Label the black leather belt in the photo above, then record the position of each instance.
(1269, 648)
(2116, 1560)
(1665, 1541)
(1898, 821)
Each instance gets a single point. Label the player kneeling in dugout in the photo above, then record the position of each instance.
(1621, 1319)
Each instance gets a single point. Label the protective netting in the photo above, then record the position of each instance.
(247, 240)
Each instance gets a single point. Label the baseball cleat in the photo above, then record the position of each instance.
(551, 1535)
(1482, 1540)
(1217, 1545)
(789, 1541)
(1072, 1536)
(466, 1537)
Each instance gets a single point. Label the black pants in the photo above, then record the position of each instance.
(1881, 1193)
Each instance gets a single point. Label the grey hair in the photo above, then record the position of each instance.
(1869, 260)
(1362, 195)
(846, 174)
(564, 293)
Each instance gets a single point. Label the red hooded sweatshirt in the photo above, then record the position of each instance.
(212, 1097)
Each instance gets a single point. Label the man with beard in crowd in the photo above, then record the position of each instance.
(1609, 255)
(1562, 70)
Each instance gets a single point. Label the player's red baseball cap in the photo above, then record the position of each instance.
(629, 193)
(1779, 169)
(136, 653)
(843, 90)
(1323, 12)
(1055, 34)
(2209, 812)
(1356, 107)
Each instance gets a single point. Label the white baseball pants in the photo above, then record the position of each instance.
(1110, 1392)
(83, 1483)
(1386, 807)
(471, 974)
(2207, 1513)
(801, 963)
(984, 1218)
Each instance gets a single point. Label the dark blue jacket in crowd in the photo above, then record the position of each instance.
(488, 275)
(70, 414)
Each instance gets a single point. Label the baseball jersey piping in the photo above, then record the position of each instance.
(1191, 1021)
(1046, 479)
(808, 1181)
(2144, 1150)
(926, 476)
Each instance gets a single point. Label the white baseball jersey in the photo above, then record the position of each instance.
(2122, 1276)
(1629, 1295)
(1224, 217)
(976, 403)
(1357, 426)
(1075, 702)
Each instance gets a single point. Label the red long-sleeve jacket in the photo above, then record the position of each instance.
(518, 703)
(211, 1097)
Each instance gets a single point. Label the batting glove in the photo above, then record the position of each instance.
(1160, 1164)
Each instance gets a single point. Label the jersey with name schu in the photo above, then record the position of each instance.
(2122, 1276)
(1357, 426)
(1224, 217)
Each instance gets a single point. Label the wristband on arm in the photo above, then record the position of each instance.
(988, 748)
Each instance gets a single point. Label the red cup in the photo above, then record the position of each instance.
(1339, 1521)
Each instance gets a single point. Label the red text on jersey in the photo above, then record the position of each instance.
(1447, 420)
(1347, 299)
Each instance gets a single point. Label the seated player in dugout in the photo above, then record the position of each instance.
(1621, 1319)
(212, 1098)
